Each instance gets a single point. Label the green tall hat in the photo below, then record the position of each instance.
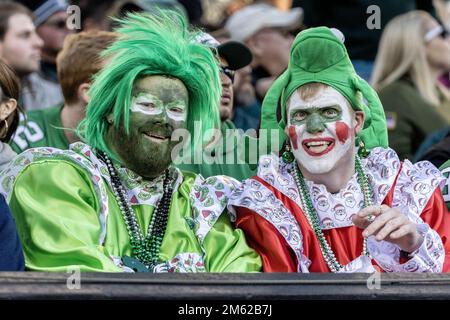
(319, 55)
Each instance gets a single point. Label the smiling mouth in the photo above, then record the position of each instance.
(318, 147)
(226, 99)
(156, 137)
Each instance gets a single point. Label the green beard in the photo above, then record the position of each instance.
(137, 152)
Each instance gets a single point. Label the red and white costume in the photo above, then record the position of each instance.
(268, 208)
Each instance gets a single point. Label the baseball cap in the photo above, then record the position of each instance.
(150, 6)
(249, 20)
(234, 52)
(42, 10)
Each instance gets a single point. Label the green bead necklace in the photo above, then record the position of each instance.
(145, 249)
(313, 219)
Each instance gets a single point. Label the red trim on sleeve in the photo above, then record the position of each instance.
(261, 235)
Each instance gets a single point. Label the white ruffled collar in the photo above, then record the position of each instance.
(335, 210)
(139, 190)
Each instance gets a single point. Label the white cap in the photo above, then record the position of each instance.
(247, 21)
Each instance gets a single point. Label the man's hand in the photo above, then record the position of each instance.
(388, 224)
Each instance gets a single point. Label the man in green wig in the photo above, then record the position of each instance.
(115, 202)
(338, 199)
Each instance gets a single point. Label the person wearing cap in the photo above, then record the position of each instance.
(265, 31)
(226, 155)
(246, 105)
(50, 20)
(326, 205)
(121, 7)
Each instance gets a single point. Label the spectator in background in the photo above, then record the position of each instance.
(442, 8)
(11, 256)
(264, 29)
(20, 47)
(78, 62)
(246, 106)
(223, 157)
(50, 20)
(352, 18)
(414, 51)
(9, 111)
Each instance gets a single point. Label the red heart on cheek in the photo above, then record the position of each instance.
(342, 131)
(293, 136)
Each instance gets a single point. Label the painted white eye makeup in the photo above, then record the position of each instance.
(328, 97)
(149, 104)
(177, 115)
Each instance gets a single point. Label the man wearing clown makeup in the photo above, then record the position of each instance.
(338, 199)
(115, 202)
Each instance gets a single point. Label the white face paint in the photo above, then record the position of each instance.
(321, 130)
(149, 104)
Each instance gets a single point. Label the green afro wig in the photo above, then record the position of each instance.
(153, 44)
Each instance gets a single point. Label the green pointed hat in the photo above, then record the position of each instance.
(319, 55)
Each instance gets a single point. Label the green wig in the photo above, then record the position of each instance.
(152, 44)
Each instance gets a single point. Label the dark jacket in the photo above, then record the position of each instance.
(439, 152)
(11, 255)
(410, 119)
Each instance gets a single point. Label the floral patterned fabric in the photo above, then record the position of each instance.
(335, 210)
(209, 197)
(255, 196)
(415, 185)
(182, 262)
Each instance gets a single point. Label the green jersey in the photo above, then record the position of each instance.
(445, 170)
(229, 157)
(41, 128)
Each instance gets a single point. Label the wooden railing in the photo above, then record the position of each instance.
(31, 285)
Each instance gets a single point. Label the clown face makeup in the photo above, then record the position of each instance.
(321, 130)
(158, 107)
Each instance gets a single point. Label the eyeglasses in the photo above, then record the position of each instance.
(438, 31)
(228, 72)
(58, 24)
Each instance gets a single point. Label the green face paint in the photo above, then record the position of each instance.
(315, 118)
(321, 129)
(158, 107)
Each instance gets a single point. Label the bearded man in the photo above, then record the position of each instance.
(115, 203)
(325, 205)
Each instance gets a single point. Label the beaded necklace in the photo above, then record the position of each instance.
(313, 219)
(145, 249)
